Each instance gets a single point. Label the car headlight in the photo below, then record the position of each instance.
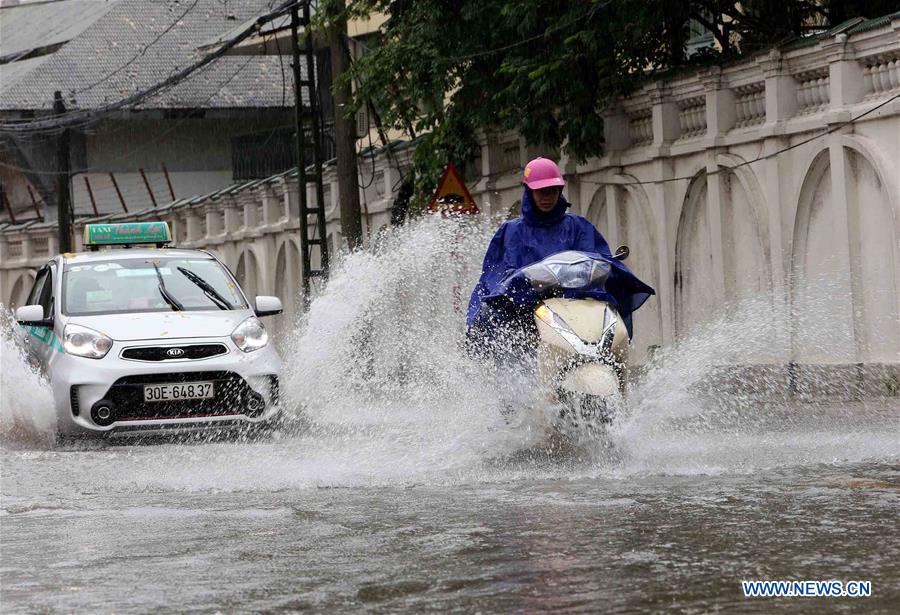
(83, 342)
(250, 335)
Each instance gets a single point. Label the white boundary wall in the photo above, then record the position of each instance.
(816, 227)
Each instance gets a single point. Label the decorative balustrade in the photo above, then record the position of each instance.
(812, 90)
(505, 155)
(692, 117)
(640, 127)
(712, 113)
(750, 104)
(15, 249)
(40, 246)
(881, 75)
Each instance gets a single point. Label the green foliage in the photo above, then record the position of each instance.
(449, 70)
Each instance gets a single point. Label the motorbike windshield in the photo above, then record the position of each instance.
(573, 275)
(568, 270)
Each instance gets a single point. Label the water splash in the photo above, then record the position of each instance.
(722, 400)
(379, 366)
(380, 361)
(383, 392)
(26, 403)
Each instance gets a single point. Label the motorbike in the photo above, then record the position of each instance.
(581, 305)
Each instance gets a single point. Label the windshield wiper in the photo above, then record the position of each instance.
(207, 289)
(176, 305)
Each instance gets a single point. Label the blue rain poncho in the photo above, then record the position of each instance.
(531, 238)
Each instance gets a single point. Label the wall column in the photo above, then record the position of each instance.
(720, 111)
(715, 195)
(781, 105)
(611, 232)
(846, 341)
(659, 195)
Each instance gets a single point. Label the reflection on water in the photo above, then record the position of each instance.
(397, 483)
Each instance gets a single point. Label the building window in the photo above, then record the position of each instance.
(263, 154)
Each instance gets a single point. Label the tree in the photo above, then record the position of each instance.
(447, 71)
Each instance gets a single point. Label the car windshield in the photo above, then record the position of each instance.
(133, 285)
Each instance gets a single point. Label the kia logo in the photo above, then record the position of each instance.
(175, 352)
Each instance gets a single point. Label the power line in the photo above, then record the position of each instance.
(139, 54)
(725, 169)
(175, 126)
(88, 115)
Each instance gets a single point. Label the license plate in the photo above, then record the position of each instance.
(178, 392)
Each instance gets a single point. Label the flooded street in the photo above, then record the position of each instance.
(398, 485)
(264, 526)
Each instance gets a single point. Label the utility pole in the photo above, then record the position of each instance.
(345, 132)
(319, 238)
(63, 181)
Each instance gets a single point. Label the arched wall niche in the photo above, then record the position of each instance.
(20, 289)
(873, 251)
(747, 254)
(693, 280)
(846, 275)
(632, 224)
(247, 273)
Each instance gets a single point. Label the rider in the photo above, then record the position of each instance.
(545, 228)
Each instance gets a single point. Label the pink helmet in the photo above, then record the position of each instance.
(542, 173)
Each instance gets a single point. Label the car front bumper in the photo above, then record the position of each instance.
(245, 390)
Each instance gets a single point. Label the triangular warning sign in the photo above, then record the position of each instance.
(452, 196)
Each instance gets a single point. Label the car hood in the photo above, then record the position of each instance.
(164, 325)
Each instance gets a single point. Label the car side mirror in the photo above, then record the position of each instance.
(268, 306)
(32, 315)
(622, 252)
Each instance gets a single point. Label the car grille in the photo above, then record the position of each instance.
(232, 396)
(165, 353)
(73, 398)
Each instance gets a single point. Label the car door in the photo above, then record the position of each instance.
(42, 342)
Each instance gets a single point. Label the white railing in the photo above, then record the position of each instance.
(750, 104)
(881, 75)
(640, 127)
(692, 117)
(812, 90)
(692, 121)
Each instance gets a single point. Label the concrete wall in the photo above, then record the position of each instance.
(816, 227)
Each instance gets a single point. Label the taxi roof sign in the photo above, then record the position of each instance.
(452, 196)
(127, 233)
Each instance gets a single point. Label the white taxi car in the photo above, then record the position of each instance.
(149, 339)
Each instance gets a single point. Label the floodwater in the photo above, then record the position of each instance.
(397, 485)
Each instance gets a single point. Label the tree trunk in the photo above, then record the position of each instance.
(345, 134)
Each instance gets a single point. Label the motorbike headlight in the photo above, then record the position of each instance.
(84, 342)
(250, 335)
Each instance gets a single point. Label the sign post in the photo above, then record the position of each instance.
(452, 198)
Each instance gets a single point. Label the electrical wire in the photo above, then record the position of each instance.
(155, 139)
(141, 53)
(144, 202)
(726, 169)
(67, 119)
(281, 66)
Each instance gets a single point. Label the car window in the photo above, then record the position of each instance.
(132, 285)
(46, 298)
(42, 291)
(38, 286)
